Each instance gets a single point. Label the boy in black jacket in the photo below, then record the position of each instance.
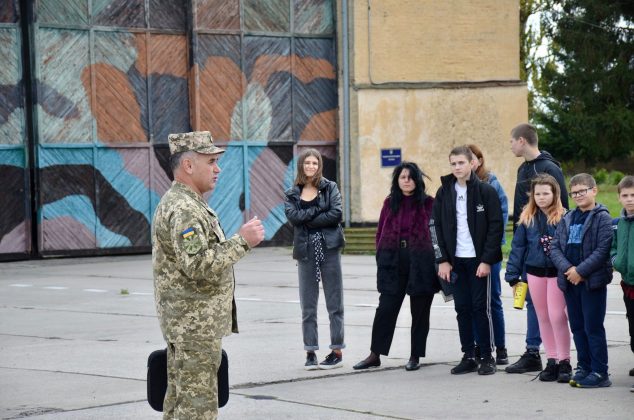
(466, 230)
(525, 144)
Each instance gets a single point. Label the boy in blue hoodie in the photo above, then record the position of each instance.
(622, 252)
(581, 252)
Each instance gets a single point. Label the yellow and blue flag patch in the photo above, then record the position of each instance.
(191, 241)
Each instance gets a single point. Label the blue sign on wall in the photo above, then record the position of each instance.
(390, 157)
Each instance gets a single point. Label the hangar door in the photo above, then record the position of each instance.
(110, 79)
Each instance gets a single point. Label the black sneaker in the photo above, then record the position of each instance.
(332, 361)
(565, 372)
(632, 372)
(466, 365)
(501, 357)
(311, 361)
(530, 361)
(487, 367)
(551, 372)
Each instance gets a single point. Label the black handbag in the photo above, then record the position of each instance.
(157, 379)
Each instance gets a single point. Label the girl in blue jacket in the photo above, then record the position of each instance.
(530, 252)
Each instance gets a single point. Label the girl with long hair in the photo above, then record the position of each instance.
(405, 265)
(313, 207)
(531, 252)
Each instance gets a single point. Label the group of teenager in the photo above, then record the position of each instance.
(566, 257)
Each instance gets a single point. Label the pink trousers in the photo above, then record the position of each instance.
(550, 306)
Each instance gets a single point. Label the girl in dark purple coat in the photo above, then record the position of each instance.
(405, 265)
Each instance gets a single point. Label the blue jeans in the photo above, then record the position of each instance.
(309, 297)
(497, 313)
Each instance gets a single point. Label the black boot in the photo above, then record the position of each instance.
(530, 361)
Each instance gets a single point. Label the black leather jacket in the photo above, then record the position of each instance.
(326, 216)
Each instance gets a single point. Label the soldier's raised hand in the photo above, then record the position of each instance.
(252, 232)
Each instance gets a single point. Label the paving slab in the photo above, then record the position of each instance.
(75, 334)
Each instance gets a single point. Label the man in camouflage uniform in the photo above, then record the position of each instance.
(193, 277)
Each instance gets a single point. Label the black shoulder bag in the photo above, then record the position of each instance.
(157, 379)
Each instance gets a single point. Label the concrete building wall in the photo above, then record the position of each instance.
(426, 124)
(427, 76)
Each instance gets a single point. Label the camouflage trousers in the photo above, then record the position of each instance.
(192, 381)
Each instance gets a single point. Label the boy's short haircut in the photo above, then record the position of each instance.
(626, 182)
(583, 179)
(462, 150)
(527, 131)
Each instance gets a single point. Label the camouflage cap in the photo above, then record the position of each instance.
(196, 141)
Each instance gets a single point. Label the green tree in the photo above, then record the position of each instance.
(531, 36)
(585, 87)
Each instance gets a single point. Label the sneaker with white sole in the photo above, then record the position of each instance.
(332, 361)
(311, 361)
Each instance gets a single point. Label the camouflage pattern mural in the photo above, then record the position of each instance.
(114, 77)
(15, 210)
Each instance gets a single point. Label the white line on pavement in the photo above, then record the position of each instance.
(95, 290)
(21, 285)
(55, 287)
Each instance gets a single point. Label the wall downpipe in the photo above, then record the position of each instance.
(346, 112)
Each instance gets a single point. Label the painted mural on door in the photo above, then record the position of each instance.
(114, 77)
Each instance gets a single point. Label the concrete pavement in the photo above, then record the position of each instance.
(75, 335)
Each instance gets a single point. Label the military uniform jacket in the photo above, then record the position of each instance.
(193, 269)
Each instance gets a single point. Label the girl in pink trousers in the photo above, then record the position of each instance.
(530, 254)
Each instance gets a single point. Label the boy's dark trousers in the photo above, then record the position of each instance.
(586, 313)
(629, 312)
(472, 300)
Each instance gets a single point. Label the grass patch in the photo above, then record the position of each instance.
(506, 248)
(124, 292)
(608, 196)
